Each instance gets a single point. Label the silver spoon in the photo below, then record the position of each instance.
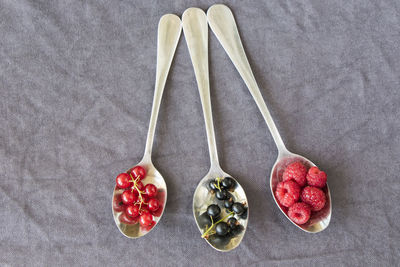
(222, 23)
(195, 28)
(169, 31)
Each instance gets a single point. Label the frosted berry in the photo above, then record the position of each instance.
(314, 197)
(316, 177)
(296, 171)
(299, 213)
(287, 193)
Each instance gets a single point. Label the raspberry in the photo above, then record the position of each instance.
(287, 193)
(296, 171)
(316, 178)
(299, 213)
(314, 197)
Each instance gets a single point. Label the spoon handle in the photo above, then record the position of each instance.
(195, 28)
(169, 31)
(222, 23)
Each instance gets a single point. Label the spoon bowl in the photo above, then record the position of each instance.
(319, 220)
(153, 176)
(203, 198)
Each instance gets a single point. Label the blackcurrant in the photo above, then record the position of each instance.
(223, 194)
(213, 210)
(237, 229)
(204, 220)
(244, 214)
(222, 228)
(228, 183)
(232, 222)
(212, 185)
(228, 203)
(238, 208)
(219, 241)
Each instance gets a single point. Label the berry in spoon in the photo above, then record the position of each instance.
(123, 181)
(237, 229)
(151, 190)
(222, 228)
(228, 183)
(153, 204)
(129, 197)
(228, 203)
(213, 211)
(222, 194)
(132, 211)
(314, 197)
(316, 177)
(232, 222)
(146, 219)
(296, 171)
(287, 193)
(204, 220)
(212, 185)
(299, 213)
(138, 172)
(238, 208)
(118, 205)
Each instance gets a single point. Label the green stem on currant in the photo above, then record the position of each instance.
(134, 181)
(217, 185)
(213, 224)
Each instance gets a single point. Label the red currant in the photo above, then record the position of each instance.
(146, 219)
(151, 190)
(145, 198)
(123, 181)
(158, 212)
(126, 219)
(148, 227)
(154, 204)
(132, 210)
(138, 171)
(129, 197)
(140, 185)
(144, 209)
(118, 205)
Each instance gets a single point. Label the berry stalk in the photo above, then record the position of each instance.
(215, 223)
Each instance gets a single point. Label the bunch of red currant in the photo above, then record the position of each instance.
(137, 202)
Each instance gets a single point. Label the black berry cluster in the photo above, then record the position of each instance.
(217, 228)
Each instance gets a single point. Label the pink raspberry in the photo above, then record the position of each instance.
(299, 213)
(296, 171)
(287, 193)
(314, 197)
(316, 178)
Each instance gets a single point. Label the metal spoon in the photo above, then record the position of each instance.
(195, 28)
(222, 23)
(169, 31)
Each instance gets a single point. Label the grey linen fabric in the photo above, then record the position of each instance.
(76, 88)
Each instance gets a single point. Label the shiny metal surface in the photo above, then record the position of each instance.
(222, 23)
(195, 29)
(169, 31)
